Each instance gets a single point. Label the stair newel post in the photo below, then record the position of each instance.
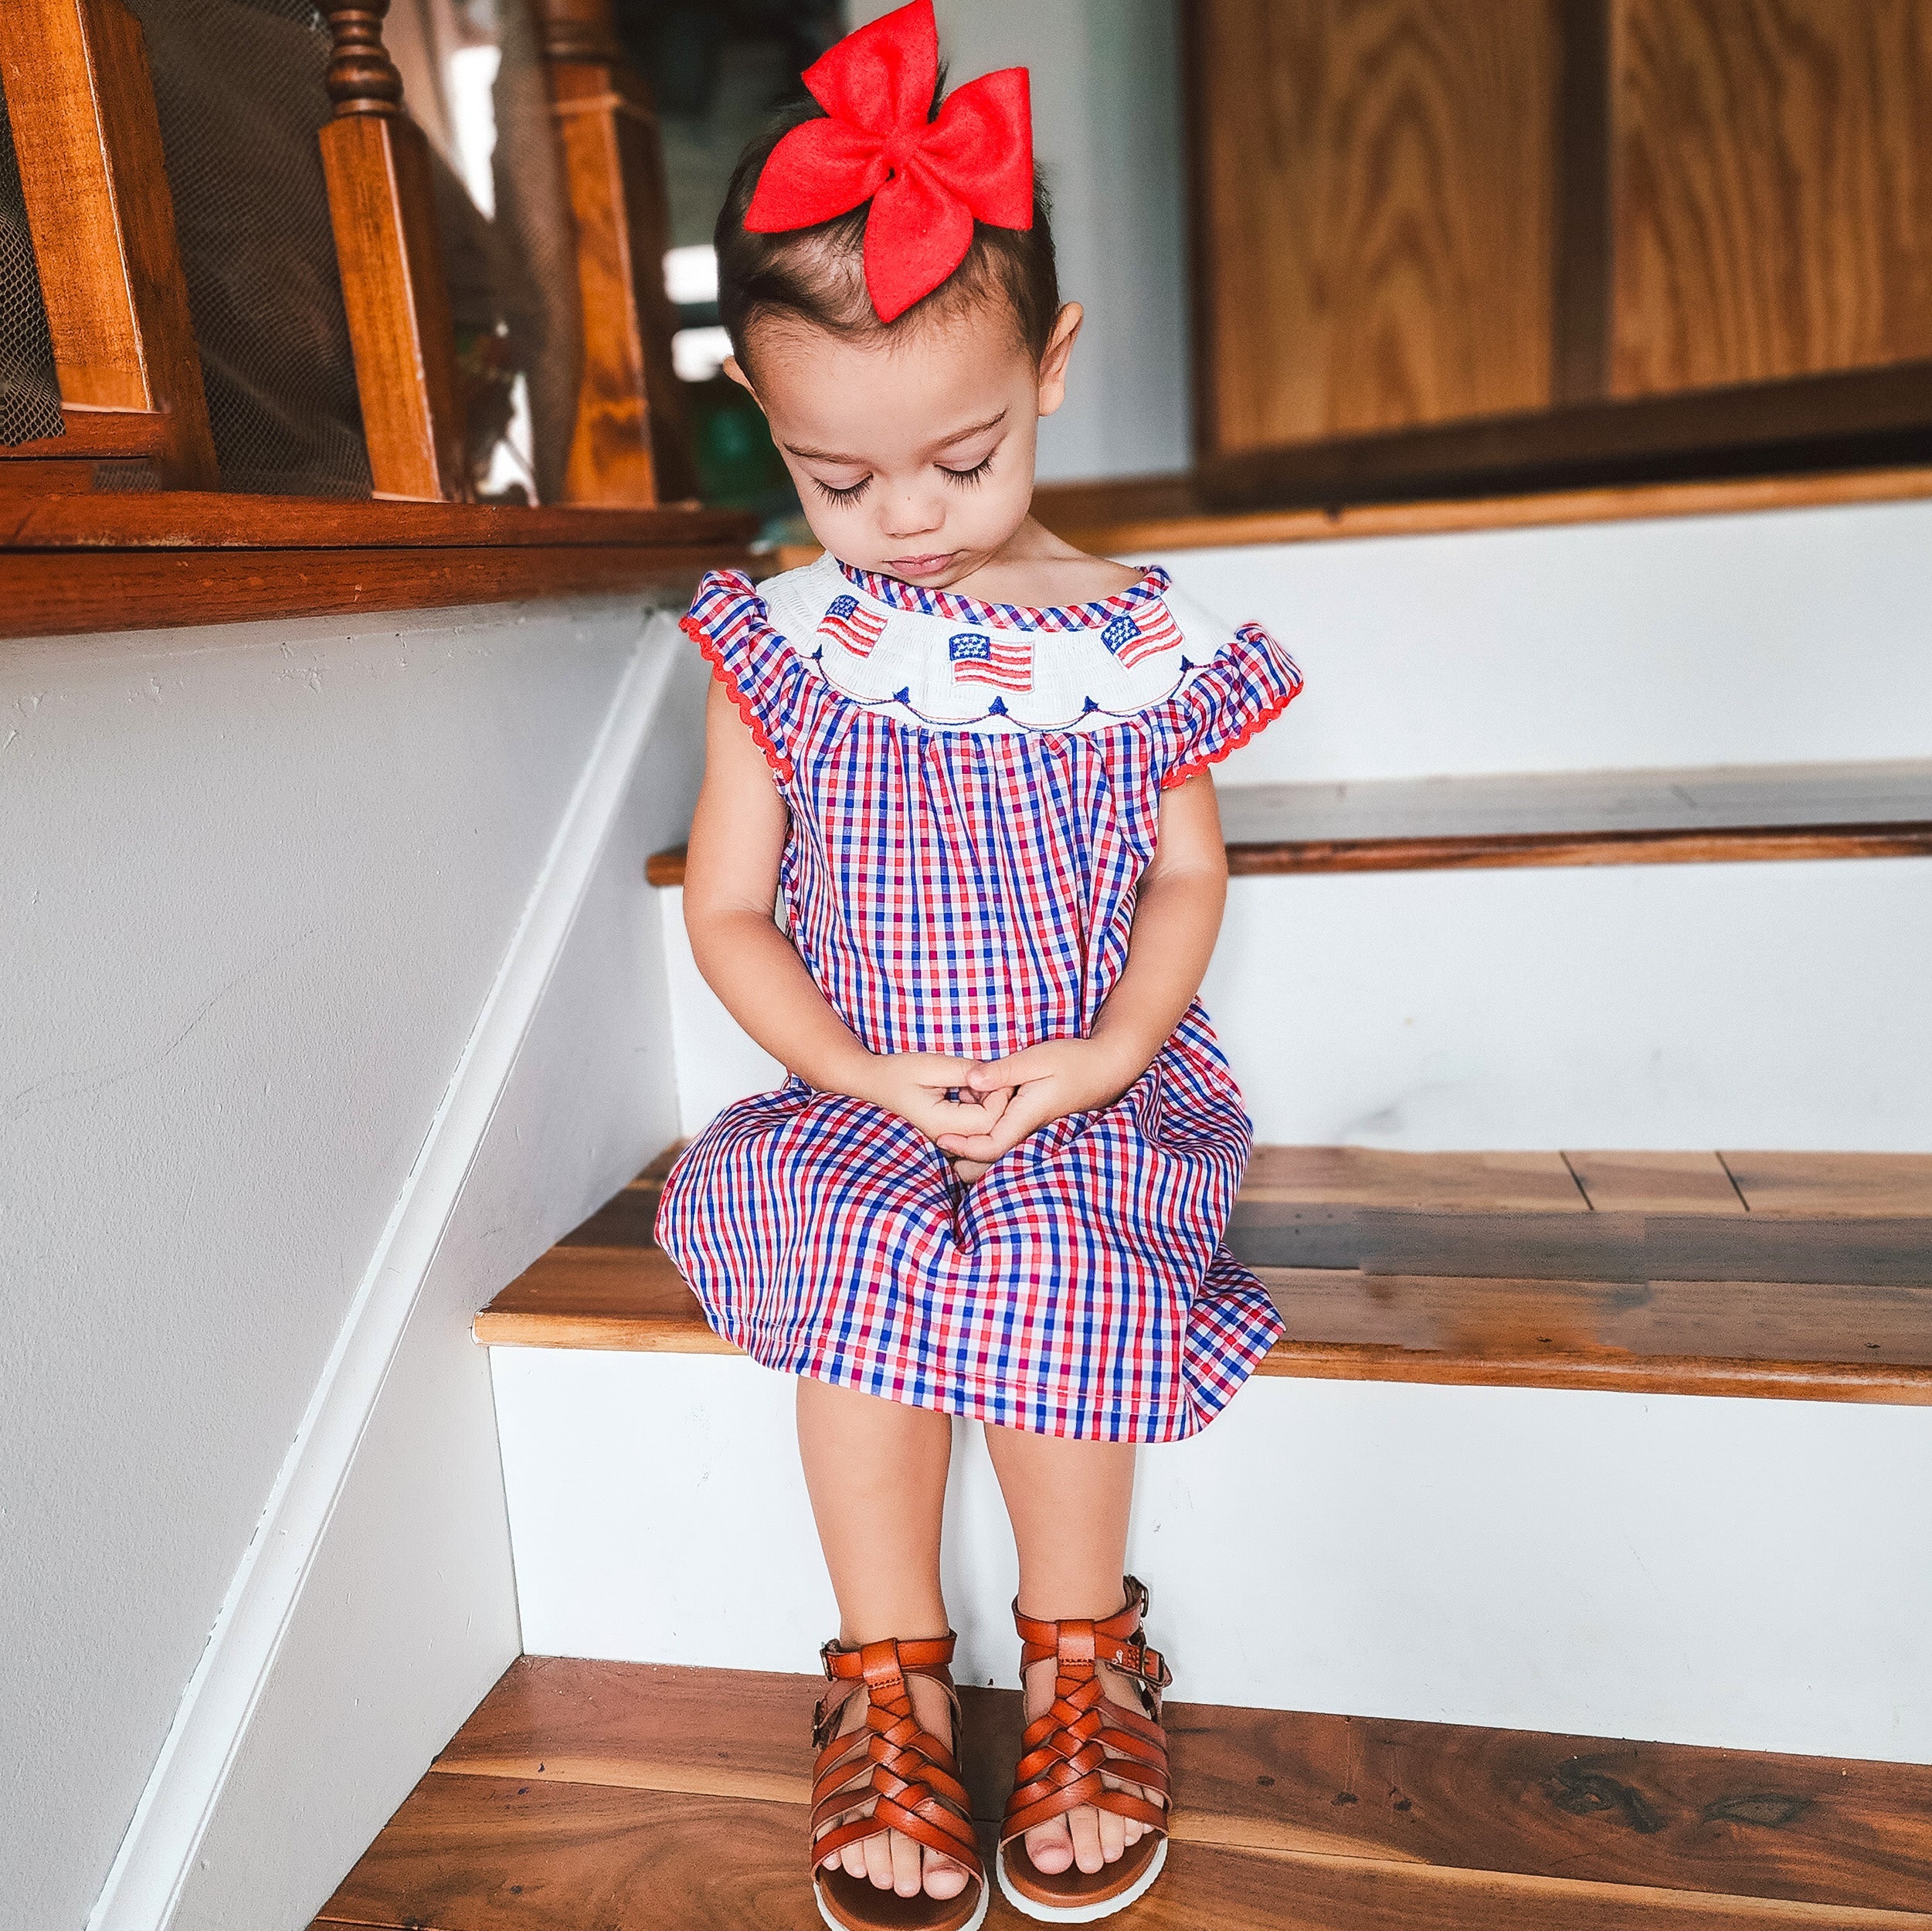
(381, 205)
(630, 447)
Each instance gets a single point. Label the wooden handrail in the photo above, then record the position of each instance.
(381, 205)
(630, 447)
(87, 140)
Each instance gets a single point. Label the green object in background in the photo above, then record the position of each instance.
(737, 465)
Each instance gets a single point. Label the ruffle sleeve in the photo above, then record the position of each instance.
(1250, 683)
(732, 624)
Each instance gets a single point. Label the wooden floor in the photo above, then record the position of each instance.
(612, 1797)
(1797, 1276)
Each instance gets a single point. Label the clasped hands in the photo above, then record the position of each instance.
(999, 1102)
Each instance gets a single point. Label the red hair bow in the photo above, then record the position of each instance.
(928, 180)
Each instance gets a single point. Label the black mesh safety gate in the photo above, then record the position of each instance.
(29, 395)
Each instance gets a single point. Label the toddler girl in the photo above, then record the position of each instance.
(968, 765)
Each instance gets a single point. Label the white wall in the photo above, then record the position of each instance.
(1683, 1568)
(1782, 636)
(258, 883)
(1107, 137)
(1768, 1005)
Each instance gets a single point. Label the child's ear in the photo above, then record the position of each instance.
(1052, 361)
(738, 376)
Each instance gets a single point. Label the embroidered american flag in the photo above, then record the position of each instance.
(847, 622)
(1130, 638)
(1005, 660)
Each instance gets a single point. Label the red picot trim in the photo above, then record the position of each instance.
(781, 765)
(1195, 766)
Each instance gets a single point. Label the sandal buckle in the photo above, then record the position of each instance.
(1160, 1675)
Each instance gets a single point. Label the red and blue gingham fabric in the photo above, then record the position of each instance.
(972, 893)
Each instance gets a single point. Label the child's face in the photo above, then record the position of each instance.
(913, 454)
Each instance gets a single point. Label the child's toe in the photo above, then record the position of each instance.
(943, 1877)
(1050, 1847)
(906, 1877)
(1087, 1853)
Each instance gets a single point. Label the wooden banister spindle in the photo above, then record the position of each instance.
(87, 139)
(381, 205)
(630, 446)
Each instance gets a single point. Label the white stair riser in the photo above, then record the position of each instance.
(1754, 1575)
(1765, 1005)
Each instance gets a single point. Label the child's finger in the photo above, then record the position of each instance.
(1022, 1117)
(1015, 1069)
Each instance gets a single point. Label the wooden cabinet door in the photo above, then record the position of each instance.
(1772, 184)
(1374, 241)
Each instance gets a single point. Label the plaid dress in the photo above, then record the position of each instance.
(969, 820)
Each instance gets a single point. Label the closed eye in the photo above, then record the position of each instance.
(969, 477)
(850, 494)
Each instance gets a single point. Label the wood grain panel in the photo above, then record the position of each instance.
(483, 1854)
(203, 519)
(1772, 188)
(49, 593)
(1805, 1829)
(1615, 1182)
(86, 133)
(1358, 1176)
(1894, 1185)
(1149, 517)
(650, 1726)
(1374, 178)
(1787, 1340)
(486, 1854)
(1491, 851)
(628, 1299)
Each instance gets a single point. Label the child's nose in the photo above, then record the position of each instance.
(911, 513)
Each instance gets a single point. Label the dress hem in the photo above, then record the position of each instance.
(947, 1397)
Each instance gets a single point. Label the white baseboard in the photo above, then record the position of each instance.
(146, 1879)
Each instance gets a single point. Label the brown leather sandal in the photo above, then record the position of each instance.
(1065, 1752)
(910, 1780)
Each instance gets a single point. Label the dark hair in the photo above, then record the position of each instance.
(815, 274)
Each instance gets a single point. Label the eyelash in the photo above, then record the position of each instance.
(966, 479)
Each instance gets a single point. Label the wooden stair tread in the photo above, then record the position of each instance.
(1717, 814)
(1793, 1340)
(1820, 1186)
(1477, 1269)
(581, 1792)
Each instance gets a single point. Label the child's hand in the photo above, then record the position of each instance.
(1045, 1082)
(914, 1086)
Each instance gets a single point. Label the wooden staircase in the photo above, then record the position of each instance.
(616, 1795)
(610, 1796)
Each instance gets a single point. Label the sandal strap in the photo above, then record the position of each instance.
(908, 1777)
(1085, 1737)
(1119, 1640)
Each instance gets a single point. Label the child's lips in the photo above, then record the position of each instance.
(920, 566)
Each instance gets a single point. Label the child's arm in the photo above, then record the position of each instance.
(1177, 912)
(730, 882)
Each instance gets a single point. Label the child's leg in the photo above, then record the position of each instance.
(876, 1470)
(1069, 1502)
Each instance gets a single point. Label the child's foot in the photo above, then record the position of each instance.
(1089, 1838)
(890, 1860)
